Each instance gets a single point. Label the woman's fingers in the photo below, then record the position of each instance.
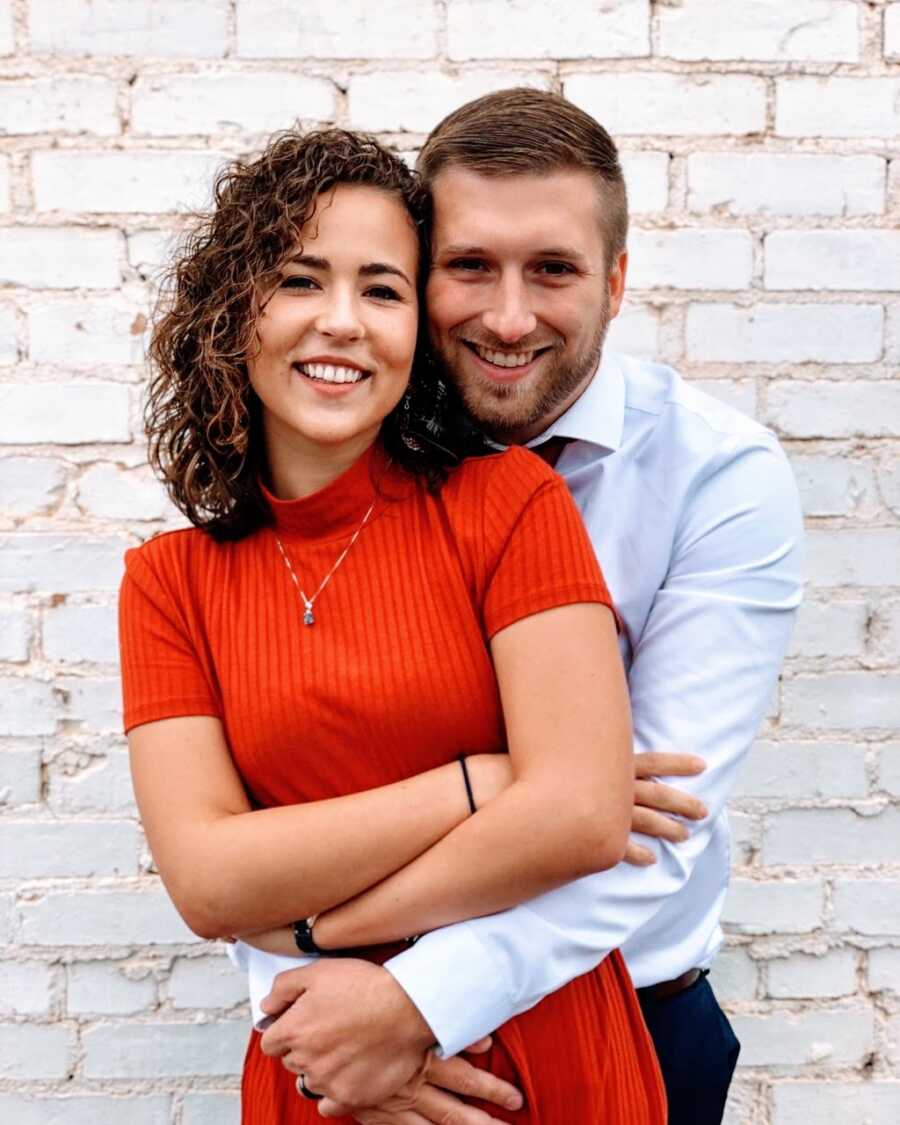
(665, 798)
(460, 1077)
(481, 1046)
(658, 763)
(637, 855)
(437, 1106)
(651, 823)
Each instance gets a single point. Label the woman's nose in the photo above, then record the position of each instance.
(339, 317)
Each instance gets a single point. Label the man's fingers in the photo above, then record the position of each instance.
(657, 763)
(286, 988)
(638, 856)
(480, 1046)
(460, 1077)
(665, 798)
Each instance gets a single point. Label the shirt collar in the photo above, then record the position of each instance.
(597, 415)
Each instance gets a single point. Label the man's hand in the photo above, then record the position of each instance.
(653, 800)
(349, 1028)
(426, 1101)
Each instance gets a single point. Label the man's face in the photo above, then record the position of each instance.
(520, 293)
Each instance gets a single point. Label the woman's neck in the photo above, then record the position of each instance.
(298, 468)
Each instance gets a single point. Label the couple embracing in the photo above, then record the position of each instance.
(378, 696)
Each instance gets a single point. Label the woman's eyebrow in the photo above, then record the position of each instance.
(375, 268)
(310, 262)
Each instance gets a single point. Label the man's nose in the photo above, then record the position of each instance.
(339, 316)
(509, 316)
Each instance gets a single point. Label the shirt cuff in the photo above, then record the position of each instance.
(424, 973)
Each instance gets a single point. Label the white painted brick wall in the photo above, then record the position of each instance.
(759, 150)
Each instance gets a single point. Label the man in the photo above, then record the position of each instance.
(694, 515)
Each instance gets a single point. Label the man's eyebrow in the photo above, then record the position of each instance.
(461, 251)
(560, 252)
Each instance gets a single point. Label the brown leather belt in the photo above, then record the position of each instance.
(667, 988)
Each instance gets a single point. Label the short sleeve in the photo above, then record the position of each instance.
(545, 561)
(163, 675)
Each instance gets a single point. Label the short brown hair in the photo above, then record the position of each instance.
(526, 131)
(202, 416)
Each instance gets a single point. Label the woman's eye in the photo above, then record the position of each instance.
(298, 282)
(383, 293)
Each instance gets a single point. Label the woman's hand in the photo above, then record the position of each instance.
(656, 805)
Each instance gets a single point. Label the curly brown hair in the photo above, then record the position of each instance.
(203, 419)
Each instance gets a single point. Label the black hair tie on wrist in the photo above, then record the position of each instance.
(467, 780)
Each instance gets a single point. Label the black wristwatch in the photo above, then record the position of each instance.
(303, 936)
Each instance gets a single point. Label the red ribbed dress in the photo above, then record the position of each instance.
(394, 678)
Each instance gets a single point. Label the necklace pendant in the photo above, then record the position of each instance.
(308, 618)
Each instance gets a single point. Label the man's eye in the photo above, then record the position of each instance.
(383, 293)
(556, 269)
(466, 264)
(298, 281)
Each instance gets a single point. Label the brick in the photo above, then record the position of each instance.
(188, 28)
(132, 182)
(786, 184)
(842, 701)
(59, 105)
(892, 333)
(646, 180)
(884, 970)
(867, 906)
(861, 409)
(837, 107)
(814, 30)
(835, 486)
(409, 101)
(351, 29)
(34, 1051)
(77, 633)
(85, 1109)
(64, 414)
(127, 494)
(820, 836)
(744, 833)
(785, 333)
(173, 1050)
(755, 907)
(81, 334)
(892, 32)
(889, 767)
(95, 704)
(7, 917)
(739, 394)
(5, 200)
(103, 786)
(30, 485)
(10, 345)
(690, 259)
(171, 105)
(149, 252)
(211, 1109)
(858, 557)
(836, 1103)
(101, 917)
(206, 982)
(107, 989)
(27, 707)
(837, 1037)
(579, 29)
(804, 770)
(671, 104)
(60, 564)
(20, 775)
(835, 629)
(635, 331)
(26, 989)
(67, 848)
(803, 977)
(7, 36)
(733, 975)
(889, 484)
(833, 259)
(59, 258)
(14, 635)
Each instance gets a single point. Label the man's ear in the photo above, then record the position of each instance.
(616, 282)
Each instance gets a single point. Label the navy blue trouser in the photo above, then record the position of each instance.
(697, 1052)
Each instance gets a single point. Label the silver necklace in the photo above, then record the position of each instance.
(308, 603)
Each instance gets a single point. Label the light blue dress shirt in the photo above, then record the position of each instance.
(695, 517)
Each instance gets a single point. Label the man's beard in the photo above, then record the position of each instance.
(511, 412)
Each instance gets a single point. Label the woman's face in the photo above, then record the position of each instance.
(338, 333)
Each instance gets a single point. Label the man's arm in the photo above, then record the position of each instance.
(702, 675)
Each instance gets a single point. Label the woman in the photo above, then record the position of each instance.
(303, 668)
